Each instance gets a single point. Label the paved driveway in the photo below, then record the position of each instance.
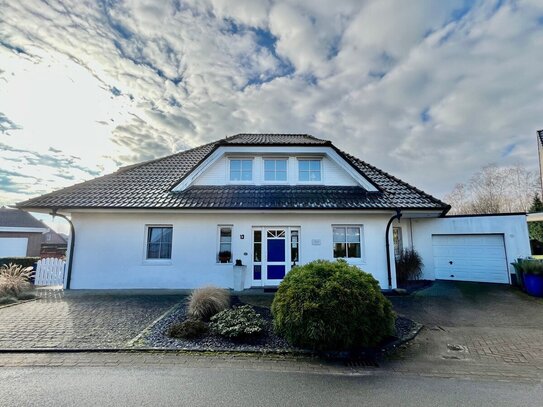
(473, 328)
(75, 319)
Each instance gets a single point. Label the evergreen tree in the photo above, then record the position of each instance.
(536, 228)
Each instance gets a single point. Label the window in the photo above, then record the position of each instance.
(275, 170)
(309, 170)
(398, 241)
(159, 242)
(241, 170)
(257, 254)
(347, 242)
(225, 245)
(294, 246)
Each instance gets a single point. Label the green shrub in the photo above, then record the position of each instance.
(408, 266)
(5, 300)
(15, 280)
(191, 328)
(205, 302)
(26, 295)
(327, 305)
(20, 261)
(528, 266)
(237, 322)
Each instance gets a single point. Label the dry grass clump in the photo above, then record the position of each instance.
(205, 302)
(15, 280)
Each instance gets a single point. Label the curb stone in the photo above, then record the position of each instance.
(18, 303)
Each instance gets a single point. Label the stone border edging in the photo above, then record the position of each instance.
(298, 352)
(18, 303)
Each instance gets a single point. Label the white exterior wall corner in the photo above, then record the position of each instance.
(513, 228)
(109, 247)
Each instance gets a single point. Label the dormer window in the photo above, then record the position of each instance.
(275, 170)
(241, 170)
(309, 170)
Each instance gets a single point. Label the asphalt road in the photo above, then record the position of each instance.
(186, 386)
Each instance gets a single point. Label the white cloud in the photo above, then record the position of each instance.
(430, 91)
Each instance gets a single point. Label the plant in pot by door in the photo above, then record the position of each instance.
(532, 275)
(225, 256)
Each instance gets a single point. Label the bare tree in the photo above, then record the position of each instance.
(495, 190)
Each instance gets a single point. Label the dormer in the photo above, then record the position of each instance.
(294, 160)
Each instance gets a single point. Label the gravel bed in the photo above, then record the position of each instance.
(268, 341)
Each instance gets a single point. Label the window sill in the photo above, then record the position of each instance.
(157, 262)
(351, 260)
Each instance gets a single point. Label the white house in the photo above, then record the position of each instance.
(271, 201)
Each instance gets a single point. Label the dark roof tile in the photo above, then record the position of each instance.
(16, 218)
(149, 184)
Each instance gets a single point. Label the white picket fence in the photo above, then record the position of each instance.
(50, 272)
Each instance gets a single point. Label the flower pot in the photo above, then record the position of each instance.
(533, 283)
(239, 277)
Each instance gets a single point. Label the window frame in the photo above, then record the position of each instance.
(399, 233)
(263, 170)
(240, 181)
(218, 248)
(309, 159)
(362, 258)
(156, 261)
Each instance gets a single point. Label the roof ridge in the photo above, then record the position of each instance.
(144, 163)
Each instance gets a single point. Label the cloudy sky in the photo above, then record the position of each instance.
(428, 90)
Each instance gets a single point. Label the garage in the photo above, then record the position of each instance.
(13, 246)
(467, 257)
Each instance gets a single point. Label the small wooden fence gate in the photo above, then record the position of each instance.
(50, 272)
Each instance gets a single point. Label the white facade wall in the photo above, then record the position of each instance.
(110, 247)
(218, 172)
(513, 228)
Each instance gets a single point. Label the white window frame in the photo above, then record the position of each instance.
(399, 231)
(299, 160)
(148, 261)
(231, 181)
(354, 260)
(219, 227)
(263, 171)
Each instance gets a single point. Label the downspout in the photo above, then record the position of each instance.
(398, 215)
(72, 242)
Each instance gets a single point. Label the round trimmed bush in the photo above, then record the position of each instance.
(327, 305)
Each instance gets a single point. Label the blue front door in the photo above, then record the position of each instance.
(276, 256)
(275, 251)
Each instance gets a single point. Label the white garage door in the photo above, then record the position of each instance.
(470, 258)
(13, 246)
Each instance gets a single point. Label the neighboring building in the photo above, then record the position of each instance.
(53, 245)
(20, 233)
(272, 201)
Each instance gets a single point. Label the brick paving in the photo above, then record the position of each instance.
(59, 319)
(473, 329)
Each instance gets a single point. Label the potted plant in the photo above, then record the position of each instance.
(531, 275)
(518, 273)
(532, 271)
(225, 256)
